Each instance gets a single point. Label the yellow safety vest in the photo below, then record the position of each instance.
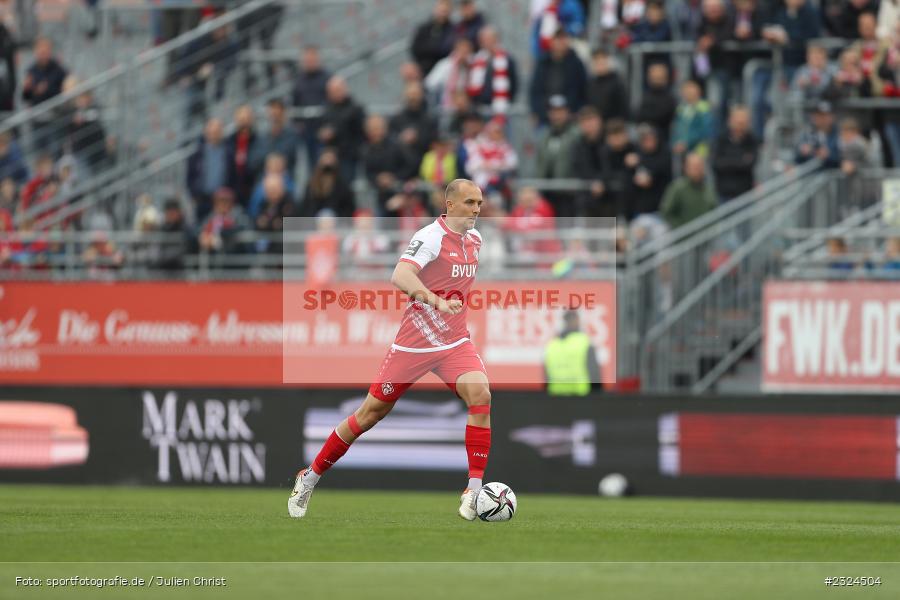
(567, 368)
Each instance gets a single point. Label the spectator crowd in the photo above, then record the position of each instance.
(687, 144)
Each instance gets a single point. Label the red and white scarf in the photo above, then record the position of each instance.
(489, 160)
(549, 25)
(456, 80)
(500, 83)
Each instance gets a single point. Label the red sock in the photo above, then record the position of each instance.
(478, 446)
(333, 449)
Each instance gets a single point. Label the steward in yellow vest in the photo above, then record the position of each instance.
(570, 362)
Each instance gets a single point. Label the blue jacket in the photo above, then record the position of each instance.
(53, 74)
(693, 126)
(309, 90)
(287, 143)
(196, 170)
(573, 78)
(801, 28)
(13, 165)
(644, 31)
(815, 140)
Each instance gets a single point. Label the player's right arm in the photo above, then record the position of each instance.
(406, 279)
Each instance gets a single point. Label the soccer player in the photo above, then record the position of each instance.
(442, 257)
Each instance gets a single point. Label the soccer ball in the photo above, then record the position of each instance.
(613, 485)
(495, 502)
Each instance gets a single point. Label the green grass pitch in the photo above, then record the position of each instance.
(412, 545)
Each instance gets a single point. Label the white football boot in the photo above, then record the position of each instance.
(467, 504)
(300, 495)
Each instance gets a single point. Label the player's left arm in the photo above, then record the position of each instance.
(406, 279)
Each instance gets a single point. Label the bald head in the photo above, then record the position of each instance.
(213, 131)
(376, 128)
(739, 121)
(243, 116)
(442, 10)
(463, 204)
(528, 198)
(414, 94)
(713, 9)
(488, 38)
(695, 167)
(459, 188)
(336, 89)
(43, 51)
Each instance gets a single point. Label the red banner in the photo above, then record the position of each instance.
(831, 336)
(770, 445)
(237, 334)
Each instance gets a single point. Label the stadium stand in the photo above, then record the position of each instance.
(693, 123)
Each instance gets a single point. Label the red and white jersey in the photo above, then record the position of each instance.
(448, 261)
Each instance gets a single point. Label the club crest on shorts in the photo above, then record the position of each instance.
(387, 388)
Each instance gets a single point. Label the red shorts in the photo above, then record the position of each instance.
(400, 369)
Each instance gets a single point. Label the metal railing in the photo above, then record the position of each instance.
(713, 272)
(715, 321)
(696, 330)
(157, 102)
(165, 176)
(138, 255)
(645, 287)
(139, 119)
(866, 256)
(141, 125)
(670, 243)
(681, 52)
(113, 189)
(796, 109)
(642, 268)
(152, 122)
(313, 20)
(792, 118)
